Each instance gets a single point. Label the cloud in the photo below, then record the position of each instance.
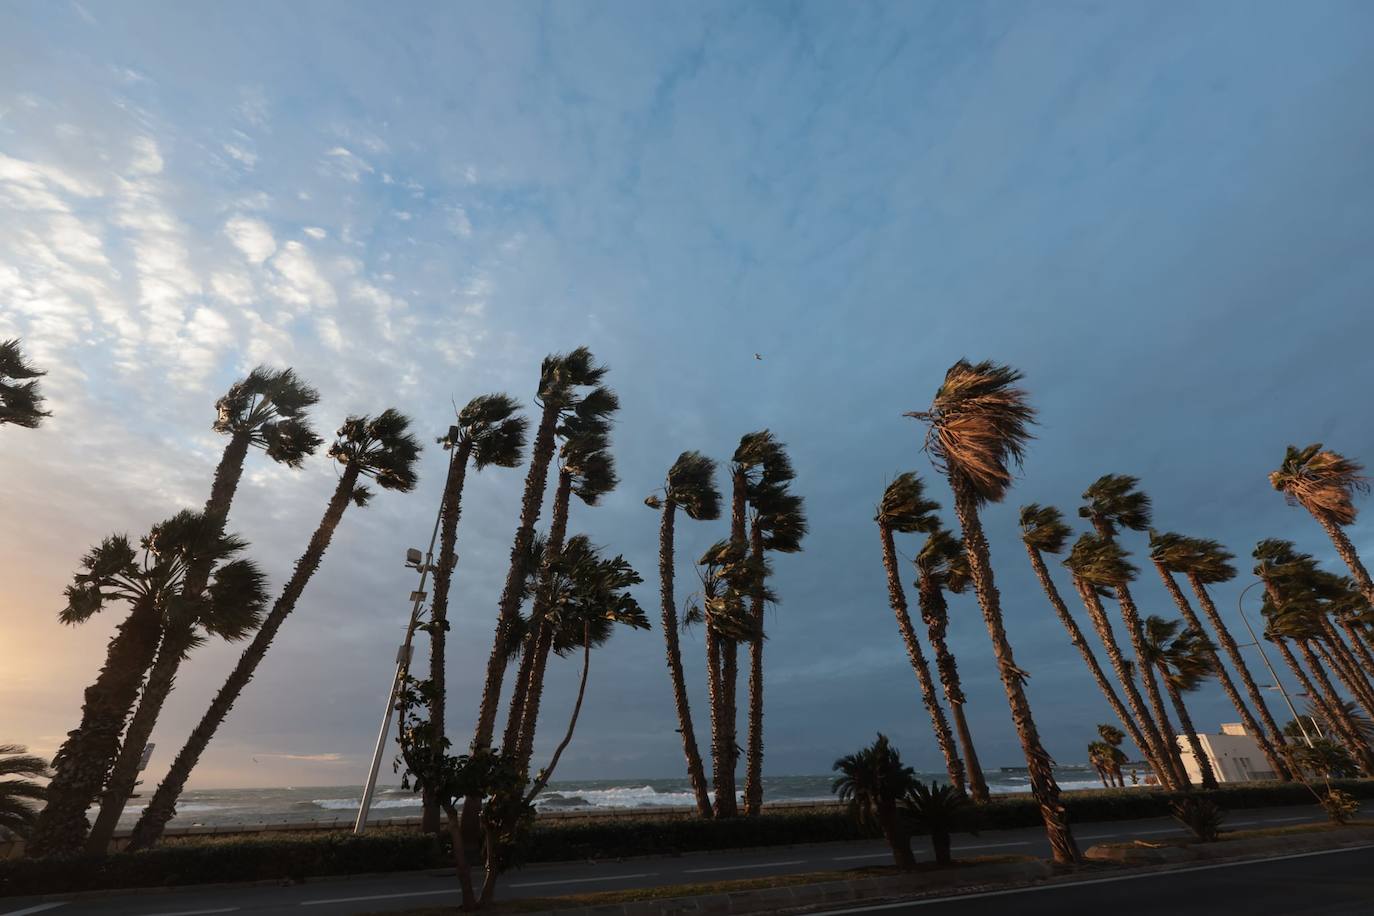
(342, 163)
(311, 758)
(300, 282)
(147, 157)
(251, 236)
(458, 221)
(244, 156)
(315, 232)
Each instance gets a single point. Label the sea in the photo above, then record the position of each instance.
(325, 804)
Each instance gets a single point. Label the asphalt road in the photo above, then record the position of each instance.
(409, 889)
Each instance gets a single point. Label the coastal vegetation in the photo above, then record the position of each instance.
(21, 398)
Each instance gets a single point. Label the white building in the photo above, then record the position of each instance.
(1234, 754)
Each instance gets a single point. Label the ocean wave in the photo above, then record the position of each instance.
(351, 804)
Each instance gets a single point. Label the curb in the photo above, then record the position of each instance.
(1229, 849)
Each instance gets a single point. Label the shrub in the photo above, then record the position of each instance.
(1339, 806)
(1200, 815)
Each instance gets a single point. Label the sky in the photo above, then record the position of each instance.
(1159, 212)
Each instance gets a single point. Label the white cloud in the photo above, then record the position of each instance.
(458, 221)
(252, 237)
(300, 281)
(315, 232)
(244, 156)
(342, 163)
(147, 157)
(253, 106)
(231, 286)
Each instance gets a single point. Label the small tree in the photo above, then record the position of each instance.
(872, 782)
(18, 791)
(939, 810)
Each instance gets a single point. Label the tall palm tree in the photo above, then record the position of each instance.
(1184, 662)
(587, 470)
(1043, 531)
(977, 426)
(779, 524)
(378, 448)
(149, 584)
(1102, 565)
(1112, 737)
(21, 401)
(872, 782)
(18, 791)
(562, 378)
(942, 565)
(489, 433)
(1172, 553)
(904, 509)
(1100, 759)
(691, 484)
(267, 410)
(1325, 483)
(1205, 563)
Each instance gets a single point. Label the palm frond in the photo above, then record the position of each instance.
(1043, 528)
(1322, 481)
(1114, 501)
(691, 484)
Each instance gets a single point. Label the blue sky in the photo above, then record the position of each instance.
(1160, 212)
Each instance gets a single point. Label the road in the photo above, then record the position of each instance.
(345, 896)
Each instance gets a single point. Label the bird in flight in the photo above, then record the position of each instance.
(757, 356)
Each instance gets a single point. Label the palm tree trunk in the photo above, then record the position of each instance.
(162, 807)
(1271, 728)
(1076, 637)
(80, 765)
(897, 598)
(727, 744)
(935, 615)
(547, 773)
(1352, 630)
(753, 761)
(1348, 666)
(451, 508)
(897, 836)
(528, 686)
(1145, 723)
(713, 692)
(1039, 766)
(1340, 717)
(1348, 554)
(1135, 629)
(695, 772)
(1336, 663)
(1308, 688)
(534, 696)
(1185, 721)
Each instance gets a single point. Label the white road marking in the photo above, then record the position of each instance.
(991, 845)
(41, 908)
(451, 890)
(647, 874)
(223, 909)
(871, 855)
(702, 871)
(1036, 888)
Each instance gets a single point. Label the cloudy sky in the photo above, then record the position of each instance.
(1161, 212)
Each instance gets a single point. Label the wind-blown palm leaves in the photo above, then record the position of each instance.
(904, 509)
(19, 794)
(151, 584)
(872, 782)
(21, 401)
(977, 428)
(1325, 483)
(268, 410)
(691, 485)
(1184, 661)
(1043, 530)
(942, 565)
(489, 433)
(379, 448)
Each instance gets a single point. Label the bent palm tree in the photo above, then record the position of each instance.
(872, 782)
(266, 410)
(18, 791)
(490, 434)
(1325, 483)
(1043, 531)
(905, 509)
(942, 564)
(1184, 663)
(977, 427)
(378, 448)
(691, 484)
(21, 401)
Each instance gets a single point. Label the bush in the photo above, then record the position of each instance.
(1200, 815)
(1339, 806)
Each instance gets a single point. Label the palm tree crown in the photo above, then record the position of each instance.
(21, 402)
(1043, 528)
(380, 448)
(1185, 657)
(18, 791)
(691, 484)
(1321, 481)
(1114, 502)
(943, 562)
(978, 426)
(872, 778)
(1099, 562)
(490, 427)
(269, 406)
(904, 508)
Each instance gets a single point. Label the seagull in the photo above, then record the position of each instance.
(756, 356)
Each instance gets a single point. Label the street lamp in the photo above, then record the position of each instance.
(424, 565)
(1278, 684)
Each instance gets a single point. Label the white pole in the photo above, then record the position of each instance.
(1278, 684)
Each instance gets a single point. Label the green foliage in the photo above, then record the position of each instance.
(489, 425)
(21, 401)
(904, 507)
(270, 407)
(872, 779)
(1321, 481)
(938, 811)
(1339, 806)
(1043, 528)
(943, 562)
(1324, 757)
(1202, 816)
(19, 793)
(380, 447)
(1099, 562)
(691, 485)
(1114, 502)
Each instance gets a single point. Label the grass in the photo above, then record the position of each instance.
(634, 895)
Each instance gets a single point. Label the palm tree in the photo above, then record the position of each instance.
(490, 434)
(148, 584)
(977, 426)
(938, 810)
(562, 376)
(1043, 531)
(21, 402)
(587, 470)
(905, 509)
(779, 524)
(378, 448)
(942, 564)
(268, 410)
(18, 791)
(1205, 562)
(1112, 737)
(1184, 662)
(1325, 483)
(872, 782)
(1100, 564)
(1172, 553)
(691, 484)
(1099, 758)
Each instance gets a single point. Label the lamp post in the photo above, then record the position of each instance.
(417, 601)
(1278, 684)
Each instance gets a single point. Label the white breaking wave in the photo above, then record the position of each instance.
(351, 804)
